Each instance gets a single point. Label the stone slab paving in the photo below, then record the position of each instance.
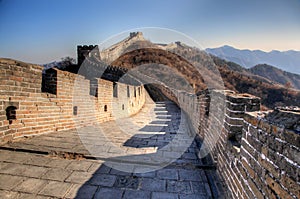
(64, 180)
(149, 155)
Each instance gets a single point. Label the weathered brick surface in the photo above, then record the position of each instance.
(256, 158)
(67, 101)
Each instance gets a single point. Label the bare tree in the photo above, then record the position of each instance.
(66, 61)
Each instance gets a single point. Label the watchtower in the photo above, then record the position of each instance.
(87, 51)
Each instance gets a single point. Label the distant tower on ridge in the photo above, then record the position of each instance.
(86, 51)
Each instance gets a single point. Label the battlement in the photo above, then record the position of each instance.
(256, 153)
(86, 47)
(84, 51)
(115, 51)
(134, 34)
(67, 100)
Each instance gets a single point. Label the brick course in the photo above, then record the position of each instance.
(256, 156)
(52, 109)
(263, 159)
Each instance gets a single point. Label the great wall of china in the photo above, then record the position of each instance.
(64, 104)
(256, 156)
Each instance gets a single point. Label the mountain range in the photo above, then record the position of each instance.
(277, 75)
(272, 85)
(285, 60)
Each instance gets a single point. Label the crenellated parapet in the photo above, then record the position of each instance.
(32, 104)
(84, 51)
(256, 153)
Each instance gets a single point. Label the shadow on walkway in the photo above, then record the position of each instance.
(173, 171)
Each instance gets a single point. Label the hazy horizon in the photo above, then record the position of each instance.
(252, 49)
(44, 31)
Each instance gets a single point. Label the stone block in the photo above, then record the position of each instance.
(79, 165)
(275, 157)
(103, 180)
(57, 174)
(152, 184)
(128, 182)
(192, 175)
(256, 144)
(235, 114)
(179, 187)
(58, 163)
(251, 119)
(258, 194)
(290, 169)
(79, 177)
(8, 182)
(55, 189)
(165, 195)
(24, 170)
(109, 193)
(8, 194)
(129, 194)
(276, 187)
(291, 137)
(31, 185)
(292, 153)
(249, 170)
(170, 174)
(81, 191)
(291, 185)
(235, 107)
(233, 121)
(270, 167)
(251, 107)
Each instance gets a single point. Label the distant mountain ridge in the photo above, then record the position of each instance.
(276, 75)
(136, 51)
(285, 60)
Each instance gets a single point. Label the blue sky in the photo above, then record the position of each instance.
(41, 31)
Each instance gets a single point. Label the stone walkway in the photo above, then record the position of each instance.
(149, 155)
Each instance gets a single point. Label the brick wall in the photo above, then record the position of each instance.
(67, 101)
(129, 101)
(270, 156)
(256, 156)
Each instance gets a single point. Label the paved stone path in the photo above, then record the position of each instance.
(149, 155)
